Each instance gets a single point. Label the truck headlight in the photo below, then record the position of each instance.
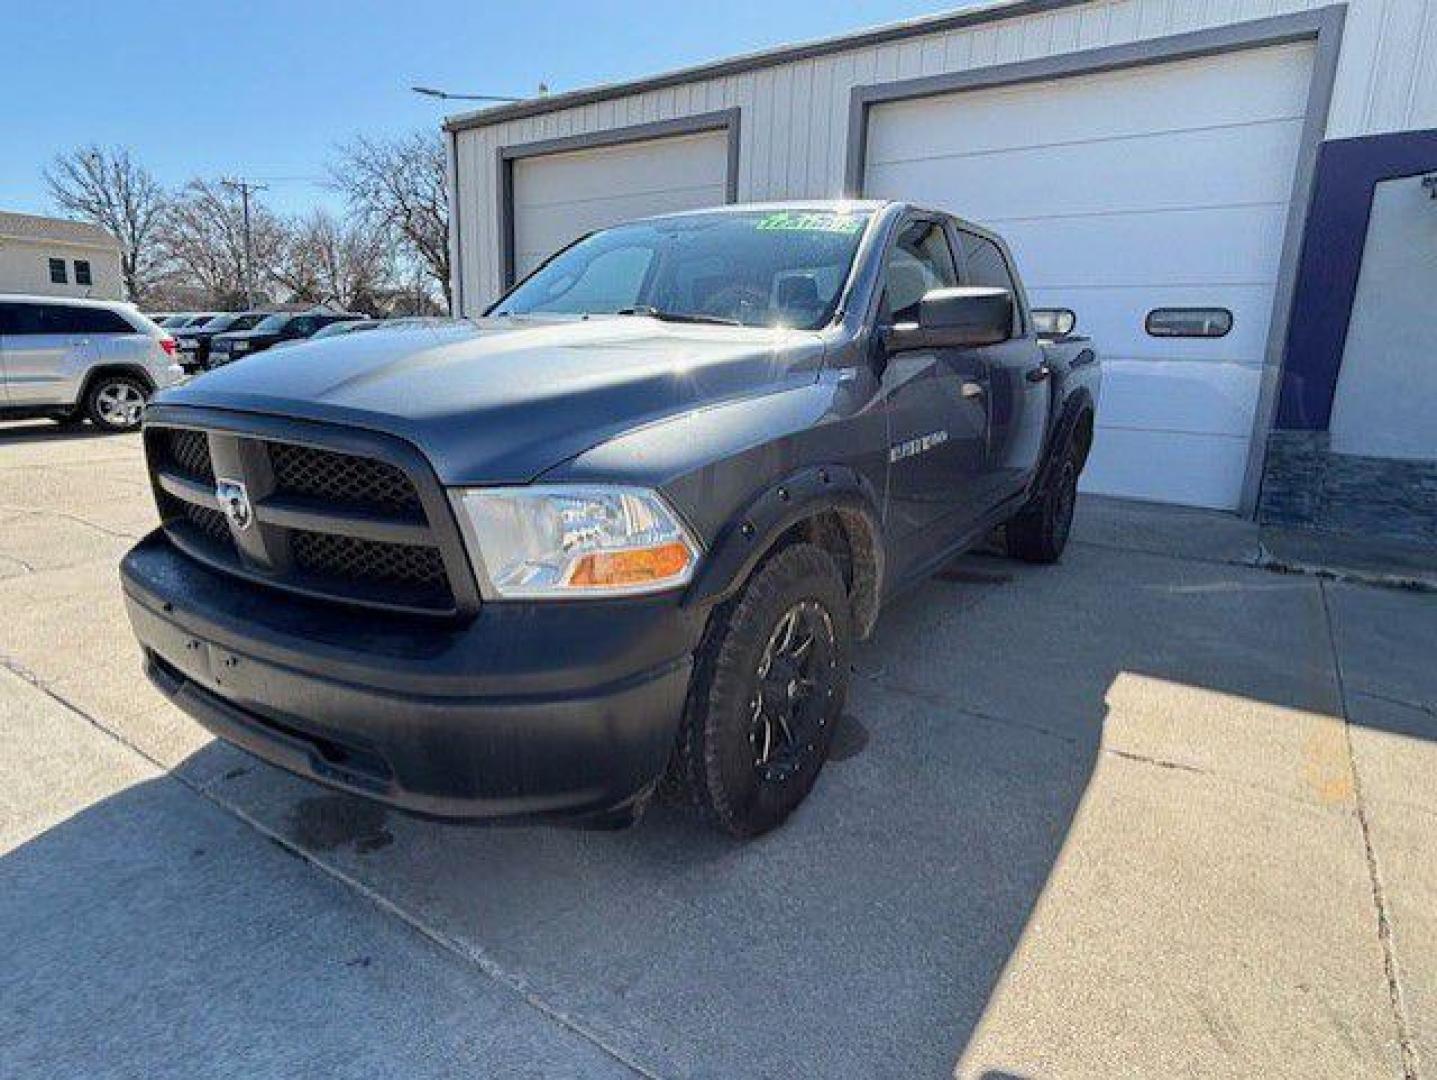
(562, 541)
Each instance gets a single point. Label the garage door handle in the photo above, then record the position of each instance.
(1038, 374)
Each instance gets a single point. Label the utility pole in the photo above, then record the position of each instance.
(244, 187)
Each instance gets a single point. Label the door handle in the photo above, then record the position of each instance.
(1038, 374)
(972, 390)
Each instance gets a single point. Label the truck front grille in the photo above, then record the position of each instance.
(368, 527)
(365, 560)
(187, 451)
(343, 478)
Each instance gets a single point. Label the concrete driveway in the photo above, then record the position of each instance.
(1151, 812)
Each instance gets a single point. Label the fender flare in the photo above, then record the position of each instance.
(799, 497)
(100, 370)
(1078, 404)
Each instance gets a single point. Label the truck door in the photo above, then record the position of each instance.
(1018, 385)
(934, 402)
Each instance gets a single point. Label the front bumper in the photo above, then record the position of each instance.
(548, 710)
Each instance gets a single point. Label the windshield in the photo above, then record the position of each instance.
(754, 268)
(272, 324)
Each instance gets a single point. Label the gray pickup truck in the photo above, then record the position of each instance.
(620, 533)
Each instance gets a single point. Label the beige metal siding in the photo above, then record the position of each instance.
(795, 115)
(559, 197)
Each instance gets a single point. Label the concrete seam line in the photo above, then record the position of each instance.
(1406, 1044)
(1248, 563)
(882, 682)
(472, 955)
(1415, 706)
(74, 518)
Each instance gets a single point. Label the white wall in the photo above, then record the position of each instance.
(25, 268)
(795, 116)
(1386, 400)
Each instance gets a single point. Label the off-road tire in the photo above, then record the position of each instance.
(714, 757)
(1039, 533)
(103, 398)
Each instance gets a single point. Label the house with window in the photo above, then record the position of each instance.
(1237, 201)
(45, 256)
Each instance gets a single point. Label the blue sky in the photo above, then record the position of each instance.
(266, 88)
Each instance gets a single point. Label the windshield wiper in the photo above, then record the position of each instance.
(676, 316)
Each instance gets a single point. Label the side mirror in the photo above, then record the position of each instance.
(955, 318)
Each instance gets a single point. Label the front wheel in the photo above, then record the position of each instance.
(116, 402)
(768, 691)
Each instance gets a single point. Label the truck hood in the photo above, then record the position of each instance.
(500, 401)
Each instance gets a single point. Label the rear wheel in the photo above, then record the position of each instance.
(1040, 531)
(768, 690)
(116, 402)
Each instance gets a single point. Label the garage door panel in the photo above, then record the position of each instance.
(559, 197)
(1161, 186)
(1114, 318)
(547, 229)
(1193, 397)
(634, 168)
(1194, 470)
(1170, 170)
(1239, 88)
(1230, 246)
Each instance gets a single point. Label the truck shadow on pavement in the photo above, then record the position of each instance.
(865, 938)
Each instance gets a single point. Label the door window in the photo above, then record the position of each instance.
(32, 319)
(18, 319)
(985, 267)
(920, 260)
(58, 319)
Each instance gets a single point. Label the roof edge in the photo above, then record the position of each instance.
(994, 11)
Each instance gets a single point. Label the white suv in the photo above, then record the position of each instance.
(69, 359)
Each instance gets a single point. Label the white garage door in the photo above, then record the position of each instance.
(1149, 188)
(559, 197)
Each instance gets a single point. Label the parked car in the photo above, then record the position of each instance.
(75, 359)
(194, 341)
(270, 331)
(334, 329)
(626, 526)
(340, 329)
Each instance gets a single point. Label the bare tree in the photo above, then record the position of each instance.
(110, 189)
(328, 261)
(204, 236)
(398, 186)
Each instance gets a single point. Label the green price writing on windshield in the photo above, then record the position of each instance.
(787, 221)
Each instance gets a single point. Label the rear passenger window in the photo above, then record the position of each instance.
(919, 262)
(59, 319)
(985, 267)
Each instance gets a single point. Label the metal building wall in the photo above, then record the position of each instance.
(794, 130)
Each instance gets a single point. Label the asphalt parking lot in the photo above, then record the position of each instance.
(1151, 812)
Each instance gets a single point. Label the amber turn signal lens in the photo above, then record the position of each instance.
(614, 569)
